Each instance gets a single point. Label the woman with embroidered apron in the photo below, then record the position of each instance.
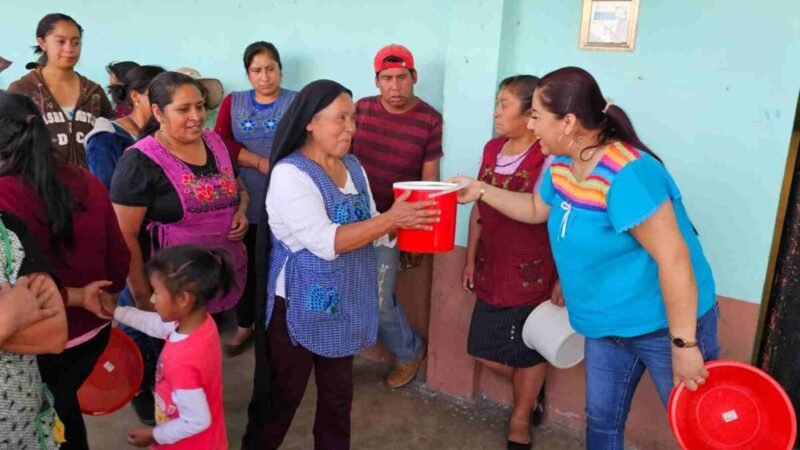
(322, 289)
(247, 121)
(33, 321)
(635, 280)
(509, 266)
(179, 179)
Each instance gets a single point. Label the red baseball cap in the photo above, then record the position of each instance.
(397, 51)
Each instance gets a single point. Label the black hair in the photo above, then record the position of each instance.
(161, 91)
(522, 86)
(46, 26)
(396, 59)
(201, 271)
(137, 79)
(572, 90)
(27, 151)
(41, 61)
(119, 69)
(261, 47)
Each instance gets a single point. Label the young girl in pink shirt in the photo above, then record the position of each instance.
(189, 412)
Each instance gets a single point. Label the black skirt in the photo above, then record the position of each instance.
(495, 334)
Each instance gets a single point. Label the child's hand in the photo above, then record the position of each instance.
(141, 437)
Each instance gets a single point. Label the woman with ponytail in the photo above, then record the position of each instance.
(104, 146)
(634, 277)
(69, 102)
(247, 122)
(116, 74)
(107, 140)
(68, 211)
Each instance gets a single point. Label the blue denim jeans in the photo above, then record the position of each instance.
(614, 367)
(145, 343)
(394, 330)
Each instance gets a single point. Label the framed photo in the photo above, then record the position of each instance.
(609, 25)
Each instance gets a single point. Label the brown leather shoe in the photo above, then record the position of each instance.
(405, 373)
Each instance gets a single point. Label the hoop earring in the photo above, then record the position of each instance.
(586, 159)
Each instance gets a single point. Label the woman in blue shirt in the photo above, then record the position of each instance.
(633, 273)
(108, 139)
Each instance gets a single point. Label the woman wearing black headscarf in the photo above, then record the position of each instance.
(321, 288)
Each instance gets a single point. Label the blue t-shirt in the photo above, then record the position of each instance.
(609, 280)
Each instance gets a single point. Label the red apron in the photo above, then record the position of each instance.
(514, 265)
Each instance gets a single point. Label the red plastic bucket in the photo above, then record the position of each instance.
(115, 379)
(739, 407)
(442, 237)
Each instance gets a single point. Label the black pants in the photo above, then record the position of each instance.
(245, 309)
(291, 367)
(64, 374)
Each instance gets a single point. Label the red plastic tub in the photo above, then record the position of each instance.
(115, 378)
(442, 237)
(739, 407)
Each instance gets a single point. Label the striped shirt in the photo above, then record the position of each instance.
(393, 147)
(610, 279)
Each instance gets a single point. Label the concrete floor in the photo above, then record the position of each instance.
(410, 418)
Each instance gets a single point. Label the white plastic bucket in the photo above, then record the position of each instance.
(547, 330)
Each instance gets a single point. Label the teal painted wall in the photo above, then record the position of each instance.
(471, 65)
(712, 87)
(316, 38)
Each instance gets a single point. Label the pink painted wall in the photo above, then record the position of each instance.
(451, 371)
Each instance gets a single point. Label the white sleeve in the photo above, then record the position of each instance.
(149, 323)
(297, 212)
(194, 417)
(384, 240)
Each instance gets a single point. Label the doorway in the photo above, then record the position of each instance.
(778, 338)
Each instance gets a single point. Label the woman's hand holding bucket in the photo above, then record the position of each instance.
(688, 367)
(413, 215)
(472, 190)
(557, 296)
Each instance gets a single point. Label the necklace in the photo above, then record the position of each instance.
(522, 155)
(133, 125)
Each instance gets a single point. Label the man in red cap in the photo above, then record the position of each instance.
(398, 138)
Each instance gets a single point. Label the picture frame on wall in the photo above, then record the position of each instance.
(609, 25)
